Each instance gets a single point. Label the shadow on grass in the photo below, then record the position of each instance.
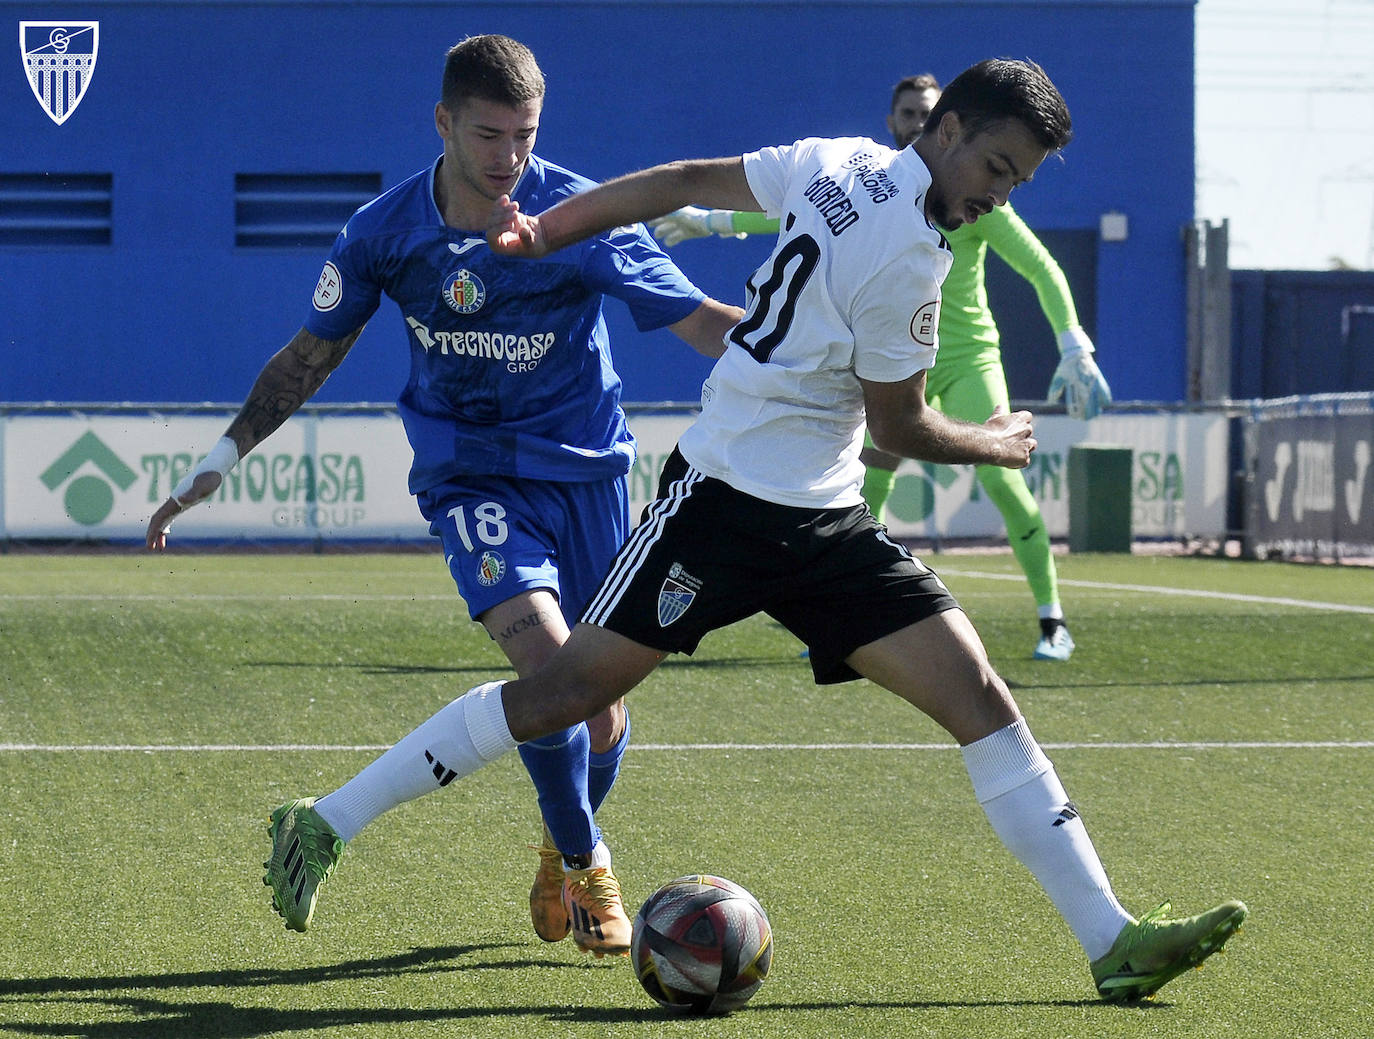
(220, 1020)
(75, 1006)
(420, 960)
(502, 669)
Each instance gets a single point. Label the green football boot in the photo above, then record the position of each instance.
(1153, 951)
(304, 852)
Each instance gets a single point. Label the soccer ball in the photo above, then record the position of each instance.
(701, 944)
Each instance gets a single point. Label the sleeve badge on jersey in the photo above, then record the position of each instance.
(329, 289)
(925, 322)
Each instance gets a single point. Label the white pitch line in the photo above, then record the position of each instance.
(199, 748)
(215, 597)
(1197, 593)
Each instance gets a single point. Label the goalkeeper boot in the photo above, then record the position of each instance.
(304, 853)
(1055, 641)
(1154, 950)
(547, 911)
(599, 923)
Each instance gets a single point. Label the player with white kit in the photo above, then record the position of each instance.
(521, 449)
(968, 382)
(760, 509)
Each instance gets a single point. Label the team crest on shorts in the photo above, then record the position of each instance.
(676, 595)
(490, 568)
(464, 292)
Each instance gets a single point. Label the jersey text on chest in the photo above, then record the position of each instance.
(520, 352)
(833, 204)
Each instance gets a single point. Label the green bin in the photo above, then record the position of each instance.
(1099, 498)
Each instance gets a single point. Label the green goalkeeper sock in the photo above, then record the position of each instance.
(877, 487)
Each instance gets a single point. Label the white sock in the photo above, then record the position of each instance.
(454, 742)
(1029, 810)
(600, 857)
(1051, 612)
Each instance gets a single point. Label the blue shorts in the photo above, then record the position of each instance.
(503, 536)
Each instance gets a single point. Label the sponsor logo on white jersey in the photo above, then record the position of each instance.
(873, 178)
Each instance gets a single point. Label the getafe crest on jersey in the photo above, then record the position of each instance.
(59, 58)
(464, 292)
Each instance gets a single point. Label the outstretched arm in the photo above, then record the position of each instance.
(1077, 378)
(694, 222)
(704, 329)
(902, 423)
(288, 380)
(719, 183)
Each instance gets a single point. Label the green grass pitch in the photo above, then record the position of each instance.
(1214, 727)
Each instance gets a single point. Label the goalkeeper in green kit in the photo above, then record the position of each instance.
(967, 381)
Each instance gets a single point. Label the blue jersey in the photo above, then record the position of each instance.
(510, 366)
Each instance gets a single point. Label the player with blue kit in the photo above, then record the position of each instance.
(521, 448)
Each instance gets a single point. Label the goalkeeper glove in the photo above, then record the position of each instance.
(693, 222)
(1078, 379)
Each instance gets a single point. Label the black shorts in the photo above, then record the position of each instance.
(706, 555)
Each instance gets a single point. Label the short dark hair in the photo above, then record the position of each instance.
(491, 68)
(1002, 88)
(920, 81)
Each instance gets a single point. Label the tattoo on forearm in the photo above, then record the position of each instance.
(537, 619)
(288, 380)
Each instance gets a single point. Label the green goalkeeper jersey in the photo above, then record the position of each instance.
(966, 323)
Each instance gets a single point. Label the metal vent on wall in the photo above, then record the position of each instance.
(56, 208)
(290, 210)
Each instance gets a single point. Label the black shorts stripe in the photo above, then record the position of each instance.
(632, 555)
(707, 555)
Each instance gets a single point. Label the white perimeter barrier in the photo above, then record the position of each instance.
(339, 473)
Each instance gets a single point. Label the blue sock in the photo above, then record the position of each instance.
(602, 769)
(558, 766)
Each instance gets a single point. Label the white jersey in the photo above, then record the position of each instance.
(852, 290)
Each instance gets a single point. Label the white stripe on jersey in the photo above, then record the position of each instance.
(637, 548)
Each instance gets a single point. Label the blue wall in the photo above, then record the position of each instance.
(187, 95)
